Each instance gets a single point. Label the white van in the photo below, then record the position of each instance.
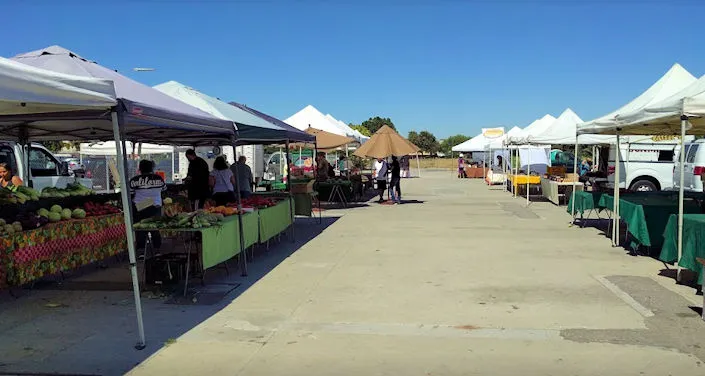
(694, 167)
(45, 170)
(646, 162)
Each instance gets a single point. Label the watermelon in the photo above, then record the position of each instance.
(54, 217)
(78, 214)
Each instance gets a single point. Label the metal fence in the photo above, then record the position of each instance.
(103, 172)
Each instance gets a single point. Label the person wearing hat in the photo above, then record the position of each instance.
(461, 167)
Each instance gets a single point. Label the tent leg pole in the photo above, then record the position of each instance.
(615, 205)
(684, 123)
(288, 188)
(528, 175)
(575, 171)
(127, 208)
(418, 164)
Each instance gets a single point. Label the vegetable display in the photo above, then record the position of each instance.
(74, 189)
(18, 195)
(257, 202)
(195, 220)
(224, 210)
(93, 209)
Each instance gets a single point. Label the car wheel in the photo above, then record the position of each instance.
(643, 186)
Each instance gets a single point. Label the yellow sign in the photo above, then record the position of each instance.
(664, 137)
(493, 132)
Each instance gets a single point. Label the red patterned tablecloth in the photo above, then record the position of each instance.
(60, 246)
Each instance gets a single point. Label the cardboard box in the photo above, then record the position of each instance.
(302, 187)
(569, 178)
(555, 171)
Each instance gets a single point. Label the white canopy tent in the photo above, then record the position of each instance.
(673, 81)
(344, 127)
(347, 129)
(474, 144)
(309, 116)
(666, 88)
(682, 113)
(664, 117)
(108, 148)
(27, 90)
(536, 127)
(561, 131)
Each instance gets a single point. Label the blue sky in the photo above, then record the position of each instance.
(445, 66)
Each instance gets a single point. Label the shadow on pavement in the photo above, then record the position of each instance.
(53, 329)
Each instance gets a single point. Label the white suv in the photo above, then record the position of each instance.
(694, 167)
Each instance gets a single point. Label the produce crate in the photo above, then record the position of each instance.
(569, 178)
(555, 171)
(302, 187)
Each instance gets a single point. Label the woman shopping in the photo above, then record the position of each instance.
(7, 179)
(222, 182)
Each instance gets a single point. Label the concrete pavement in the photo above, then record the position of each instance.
(467, 281)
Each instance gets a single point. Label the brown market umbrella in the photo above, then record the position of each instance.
(385, 143)
(327, 140)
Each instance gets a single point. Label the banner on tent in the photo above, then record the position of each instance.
(493, 132)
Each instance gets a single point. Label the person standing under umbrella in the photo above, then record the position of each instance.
(394, 184)
(380, 174)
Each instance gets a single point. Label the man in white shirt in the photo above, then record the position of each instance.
(381, 169)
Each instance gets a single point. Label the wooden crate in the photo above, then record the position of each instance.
(302, 187)
(555, 171)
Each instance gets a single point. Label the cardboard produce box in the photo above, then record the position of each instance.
(302, 187)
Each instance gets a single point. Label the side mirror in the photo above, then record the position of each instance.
(64, 169)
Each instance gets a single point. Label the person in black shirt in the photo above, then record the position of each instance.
(394, 184)
(147, 188)
(197, 179)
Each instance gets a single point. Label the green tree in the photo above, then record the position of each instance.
(413, 138)
(427, 142)
(375, 123)
(361, 129)
(57, 146)
(448, 143)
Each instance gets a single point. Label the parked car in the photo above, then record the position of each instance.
(646, 163)
(300, 161)
(45, 170)
(694, 167)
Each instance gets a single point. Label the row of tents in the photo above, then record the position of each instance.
(674, 105)
(54, 94)
(651, 113)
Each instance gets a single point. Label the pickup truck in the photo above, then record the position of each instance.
(45, 170)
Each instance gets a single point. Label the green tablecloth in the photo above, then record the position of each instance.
(646, 215)
(220, 243)
(693, 242)
(274, 220)
(324, 189)
(250, 225)
(585, 201)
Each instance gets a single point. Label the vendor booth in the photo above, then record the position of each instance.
(675, 105)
